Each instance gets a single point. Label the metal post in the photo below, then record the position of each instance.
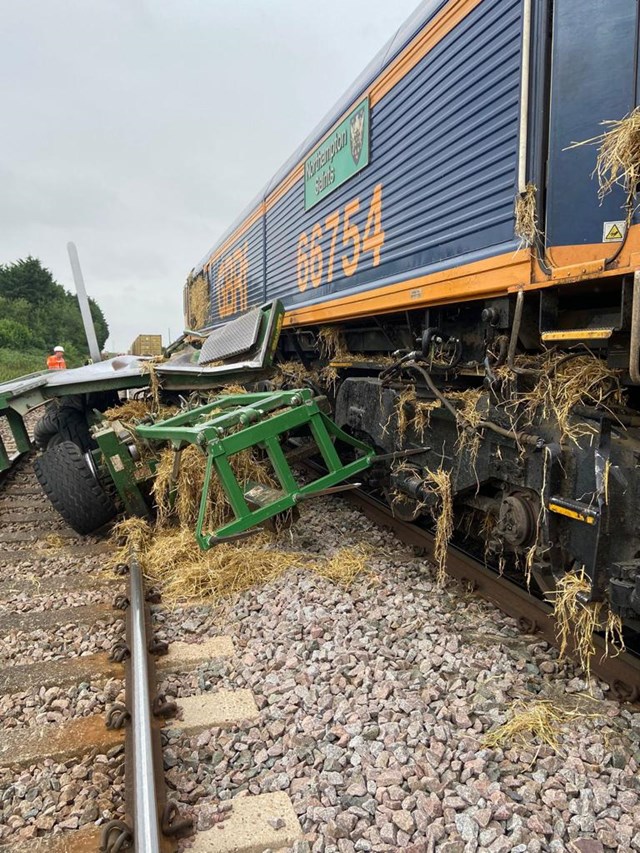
(85, 311)
(145, 830)
(524, 97)
(634, 344)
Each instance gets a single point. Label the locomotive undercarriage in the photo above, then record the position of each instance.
(543, 508)
(531, 495)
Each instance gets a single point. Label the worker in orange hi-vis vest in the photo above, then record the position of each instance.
(56, 361)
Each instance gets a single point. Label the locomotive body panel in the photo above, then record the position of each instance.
(438, 189)
(593, 43)
(430, 219)
(235, 274)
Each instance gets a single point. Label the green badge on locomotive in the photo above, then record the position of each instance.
(343, 153)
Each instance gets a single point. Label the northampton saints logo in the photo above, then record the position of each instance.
(357, 134)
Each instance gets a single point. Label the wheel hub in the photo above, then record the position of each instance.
(517, 520)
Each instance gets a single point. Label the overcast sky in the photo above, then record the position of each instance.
(140, 129)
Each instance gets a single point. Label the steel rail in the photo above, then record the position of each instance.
(621, 672)
(145, 816)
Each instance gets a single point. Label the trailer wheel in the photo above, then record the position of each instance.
(62, 423)
(72, 488)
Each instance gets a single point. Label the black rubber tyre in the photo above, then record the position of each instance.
(63, 423)
(72, 488)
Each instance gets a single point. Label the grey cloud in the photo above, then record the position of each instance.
(141, 129)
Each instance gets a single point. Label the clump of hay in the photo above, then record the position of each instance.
(469, 437)
(170, 557)
(149, 367)
(577, 620)
(175, 562)
(419, 418)
(331, 346)
(618, 160)
(181, 497)
(538, 721)
(406, 397)
(374, 358)
(332, 343)
(346, 565)
(400, 501)
(53, 540)
(130, 410)
(440, 486)
(293, 374)
(233, 388)
(580, 380)
(199, 302)
(129, 534)
(613, 635)
(526, 225)
(562, 383)
(467, 404)
(290, 373)
(328, 376)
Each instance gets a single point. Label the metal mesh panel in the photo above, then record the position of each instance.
(235, 338)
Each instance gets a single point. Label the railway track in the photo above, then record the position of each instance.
(51, 584)
(79, 648)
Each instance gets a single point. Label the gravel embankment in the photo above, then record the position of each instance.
(45, 562)
(59, 704)
(39, 624)
(24, 602)
(62, 642)
(374, 704)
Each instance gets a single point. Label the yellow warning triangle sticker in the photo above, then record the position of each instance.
(614, 233)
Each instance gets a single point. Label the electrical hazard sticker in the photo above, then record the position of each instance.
(613, 232)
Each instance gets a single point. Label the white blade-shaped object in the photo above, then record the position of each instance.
(85, 311)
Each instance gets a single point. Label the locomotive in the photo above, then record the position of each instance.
(458, 284)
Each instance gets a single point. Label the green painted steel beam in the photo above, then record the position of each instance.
(125, 473)
(20, 436)
(232, 423)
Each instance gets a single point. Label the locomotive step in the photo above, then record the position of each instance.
(564, 335)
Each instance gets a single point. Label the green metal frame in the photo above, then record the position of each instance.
(19, 432)
(236, 422)
(113, 452)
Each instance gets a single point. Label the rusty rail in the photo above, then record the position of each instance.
(146, 827)
(152, 824)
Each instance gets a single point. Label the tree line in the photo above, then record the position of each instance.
(37, 313)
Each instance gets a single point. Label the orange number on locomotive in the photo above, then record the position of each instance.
(232, 282)
(310, 258)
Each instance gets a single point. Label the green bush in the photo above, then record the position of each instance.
(31, 300)
(15, 335)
